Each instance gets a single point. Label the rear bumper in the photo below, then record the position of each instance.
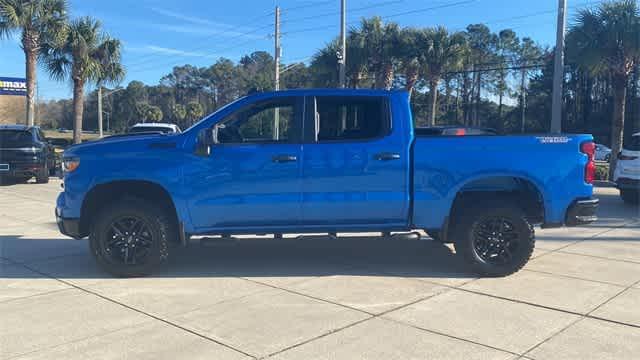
(582, 212)
(626, 183)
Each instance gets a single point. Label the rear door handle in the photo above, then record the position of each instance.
(387, 156)
(284, 158)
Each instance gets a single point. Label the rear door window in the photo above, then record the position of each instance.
(350, 118)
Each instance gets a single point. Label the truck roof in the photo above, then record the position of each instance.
(341, 92)
(15, 127)
(158, 125)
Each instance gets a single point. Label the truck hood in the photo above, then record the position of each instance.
(122, 144)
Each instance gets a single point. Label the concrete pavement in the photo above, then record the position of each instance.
(357, 297)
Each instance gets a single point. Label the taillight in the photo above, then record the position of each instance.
(621, 156)
(589, 148)
(461, 132)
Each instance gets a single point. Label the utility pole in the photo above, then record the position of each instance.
(558, 70)
(278, 53)
(100, 134)
(342, 56)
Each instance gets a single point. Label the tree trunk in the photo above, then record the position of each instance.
(465, 99)
(478, 99)
(617, 123)
(523, 100)
(500, 107)
(100, 134)
(458, 90)
(447, 95)
(31, 57)
(412, 78)
(78, 108)
(433, 98)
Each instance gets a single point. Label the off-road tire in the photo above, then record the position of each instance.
(471, 217)
(159, 225)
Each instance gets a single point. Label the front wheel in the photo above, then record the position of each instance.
(496, 240)
(130, 238)
(630, 196)
(42, 177)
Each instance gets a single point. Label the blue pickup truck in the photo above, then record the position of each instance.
(309, 161)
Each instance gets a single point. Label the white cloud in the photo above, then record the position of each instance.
(199, 26)
(154, 49)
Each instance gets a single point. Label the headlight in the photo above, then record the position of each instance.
(70, 164)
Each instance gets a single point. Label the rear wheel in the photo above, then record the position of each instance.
(130, 238)
(496, 240)
(630, 196)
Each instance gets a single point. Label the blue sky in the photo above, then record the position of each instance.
(160, 34)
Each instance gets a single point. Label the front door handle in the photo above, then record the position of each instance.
(284, 158)
(387, 156)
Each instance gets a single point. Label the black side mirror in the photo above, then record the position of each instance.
(206, 139)
(210, 137)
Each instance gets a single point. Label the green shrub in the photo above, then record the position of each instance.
(602, 171)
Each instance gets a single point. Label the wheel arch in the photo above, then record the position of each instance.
(522, 190)
(106, 193)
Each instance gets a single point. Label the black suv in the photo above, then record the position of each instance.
(25, 153)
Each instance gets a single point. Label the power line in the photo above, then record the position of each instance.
(415, 11)
(313, 4)
(221, 32)
(317, 16)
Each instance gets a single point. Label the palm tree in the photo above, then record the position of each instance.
(379, 43)
(39, 21)
(411, 45)
(324, 64)
(443, 53)
(606, 41)
(111, 70)
(78, 57)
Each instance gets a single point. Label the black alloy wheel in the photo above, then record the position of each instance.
(495, 240)
(128, 241)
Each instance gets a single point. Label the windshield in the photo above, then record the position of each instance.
(15, 138)
(633, 144)
(218, 110)
(156, 129)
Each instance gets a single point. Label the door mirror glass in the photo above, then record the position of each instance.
(206, 139)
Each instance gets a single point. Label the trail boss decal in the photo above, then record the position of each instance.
(553, 139)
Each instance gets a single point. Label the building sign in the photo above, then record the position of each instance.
(13, 86)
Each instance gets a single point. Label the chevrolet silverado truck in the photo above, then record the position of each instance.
(309, 161)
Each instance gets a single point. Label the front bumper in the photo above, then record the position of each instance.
(582, 212)
(627, 183)
(69, 227)
(21, 169)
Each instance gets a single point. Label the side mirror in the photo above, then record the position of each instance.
(206, 139)
(210, 137)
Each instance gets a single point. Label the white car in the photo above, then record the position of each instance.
(603, 153)
(164, 128)
(627, 173)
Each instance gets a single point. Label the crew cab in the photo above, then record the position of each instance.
(309, 161)
(25, 153)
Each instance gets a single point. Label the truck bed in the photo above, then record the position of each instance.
(445, 165)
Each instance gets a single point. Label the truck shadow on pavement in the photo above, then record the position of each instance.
(304, 257)
(258, 257)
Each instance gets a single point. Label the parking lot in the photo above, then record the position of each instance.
(355, 297)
